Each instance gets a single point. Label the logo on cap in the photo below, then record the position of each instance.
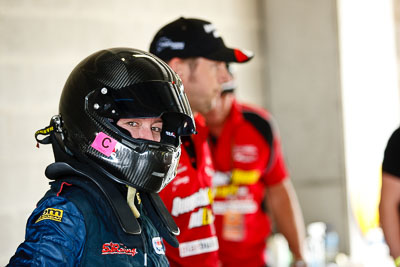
(165, 42)
(210, 28)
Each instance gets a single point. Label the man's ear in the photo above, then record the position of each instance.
(179, 66)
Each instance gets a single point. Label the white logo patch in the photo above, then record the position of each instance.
(221, 178)
(181, 180)
(241, 206)
(183, 205)
(158, 245)
(165, 42)
(210, 28)
(245, 153)
(197, 247)
(182, 168)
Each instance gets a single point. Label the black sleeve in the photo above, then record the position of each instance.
(391, 160)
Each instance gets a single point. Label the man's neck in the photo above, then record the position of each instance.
(216, 130)
(215, 121)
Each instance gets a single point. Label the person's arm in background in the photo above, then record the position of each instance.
(389, 212)
(283, 203)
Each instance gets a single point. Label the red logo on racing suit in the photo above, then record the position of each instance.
(115, 248)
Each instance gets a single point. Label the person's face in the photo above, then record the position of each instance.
(202, 80)
(143, 128)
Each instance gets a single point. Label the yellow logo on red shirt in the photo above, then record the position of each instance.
(226, 190)
(51, 214)
(228, 183)
(245, 177)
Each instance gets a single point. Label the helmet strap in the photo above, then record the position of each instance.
(55, 126)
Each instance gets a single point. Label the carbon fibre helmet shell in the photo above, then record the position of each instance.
(125, 83)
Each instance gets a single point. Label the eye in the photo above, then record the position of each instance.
(132, 123)
(156, 129)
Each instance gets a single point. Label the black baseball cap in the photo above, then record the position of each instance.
(190, 37)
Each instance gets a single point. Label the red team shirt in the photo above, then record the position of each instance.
(244, 165)
(188, 198)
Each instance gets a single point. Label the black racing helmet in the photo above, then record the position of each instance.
(125, 83)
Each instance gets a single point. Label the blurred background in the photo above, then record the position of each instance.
(327, 70)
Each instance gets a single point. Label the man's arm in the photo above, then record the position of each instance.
(282, 201)
(55, 236)
(389, 212)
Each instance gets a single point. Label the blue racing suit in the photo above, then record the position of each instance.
(75, 225)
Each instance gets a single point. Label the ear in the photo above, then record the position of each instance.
(179, 66)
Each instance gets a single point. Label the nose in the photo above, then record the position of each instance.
(223, 73)
(146, 133)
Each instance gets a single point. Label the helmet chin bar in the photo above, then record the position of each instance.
(149, 167)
